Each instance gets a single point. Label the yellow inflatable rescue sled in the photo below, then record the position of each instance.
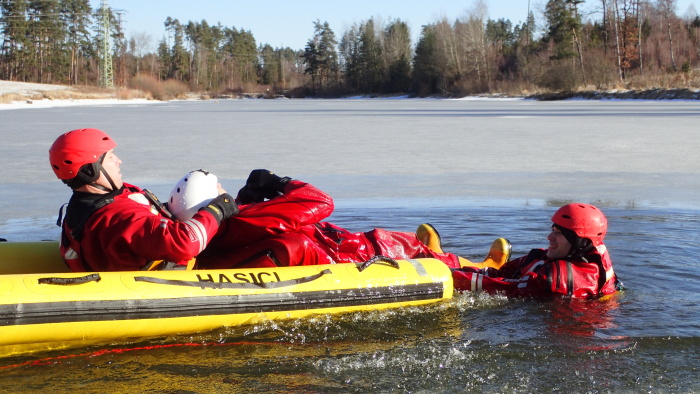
(43, 306)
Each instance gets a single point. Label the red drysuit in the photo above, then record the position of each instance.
(288, 230)
(124, 230)
(536, 275)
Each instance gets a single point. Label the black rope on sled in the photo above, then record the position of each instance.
(70, 281)
(376, 259)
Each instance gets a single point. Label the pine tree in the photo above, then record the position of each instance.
(370, 64)
(329, 54)
(204, 41)
(397, 55)
(321, 57)
(15, 44)
(312, 60)
(242, 55)
(500, 33)
(349, 50)
(426, 71)
(562, 23)
(564, 31)
(178, 65)
(75, 15)
(163, 59)
(46, 38)
(269, 69)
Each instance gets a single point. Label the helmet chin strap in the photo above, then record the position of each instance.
(579, 246)
(105, 189)
(90, 174)
(579, 249)
(109, 178)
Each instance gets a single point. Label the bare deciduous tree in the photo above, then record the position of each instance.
(668, 10)
(140, 44)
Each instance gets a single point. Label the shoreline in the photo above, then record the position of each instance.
(20, 95)
(650, 94)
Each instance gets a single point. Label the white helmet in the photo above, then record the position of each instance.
(194, 191)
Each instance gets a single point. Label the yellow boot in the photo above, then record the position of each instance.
(428, 235)
(499, 254)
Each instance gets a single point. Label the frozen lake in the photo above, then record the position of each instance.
(619, 153)
(477, 169)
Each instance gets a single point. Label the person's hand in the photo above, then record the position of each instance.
(261, 185)
(222, 207)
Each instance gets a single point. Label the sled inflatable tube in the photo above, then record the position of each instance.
(50, 309)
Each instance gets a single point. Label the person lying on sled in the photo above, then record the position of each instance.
(576, 264)
(281, 222)
(114, 226)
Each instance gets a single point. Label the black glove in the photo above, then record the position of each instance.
(261, 185)
(222, 207)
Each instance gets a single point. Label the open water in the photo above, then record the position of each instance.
(476, 170)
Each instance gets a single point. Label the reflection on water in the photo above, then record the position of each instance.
(582, 324)
(644, 339)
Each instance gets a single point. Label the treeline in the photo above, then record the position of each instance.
(619, 43)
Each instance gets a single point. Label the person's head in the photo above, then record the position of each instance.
(194, 191)
(85, 157)
(577, 228)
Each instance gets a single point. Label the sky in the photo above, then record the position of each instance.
(285, 23)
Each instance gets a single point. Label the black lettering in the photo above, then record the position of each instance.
(210, 279)
(261, 274)
(241, 277)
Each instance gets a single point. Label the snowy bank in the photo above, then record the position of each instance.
(21, 95)
(651, 94)
(26, 88)
(28, 104)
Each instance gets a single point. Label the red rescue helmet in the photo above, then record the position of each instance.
(585, 220)
(76, 148)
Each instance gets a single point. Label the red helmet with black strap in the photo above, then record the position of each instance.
(76, 156)
(585, 220)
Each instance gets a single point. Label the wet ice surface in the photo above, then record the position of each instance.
(477, 170)
(484, 152)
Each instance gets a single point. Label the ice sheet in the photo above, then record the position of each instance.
(476, 151)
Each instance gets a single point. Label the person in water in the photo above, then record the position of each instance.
(576, 263)
(111, 225)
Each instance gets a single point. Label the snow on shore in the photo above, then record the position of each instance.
(27, 91)
(28, 104)
(26, 88)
